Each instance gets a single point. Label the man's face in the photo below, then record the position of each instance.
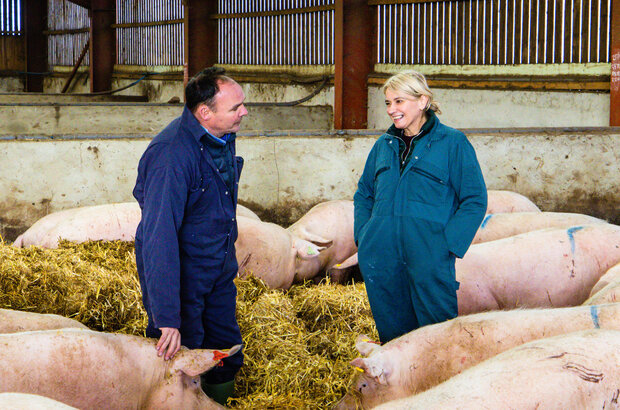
(228, 110)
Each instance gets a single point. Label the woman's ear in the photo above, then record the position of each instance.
(424, 102)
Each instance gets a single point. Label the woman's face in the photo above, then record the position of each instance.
(406, 112)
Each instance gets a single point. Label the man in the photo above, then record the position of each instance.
(187, 189)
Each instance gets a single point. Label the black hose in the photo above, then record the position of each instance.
(249, 104)
(291, 103)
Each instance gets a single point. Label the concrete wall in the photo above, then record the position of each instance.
(461, 108)
(165, 90)
(140, 118)
(573, 170)
(11, 85)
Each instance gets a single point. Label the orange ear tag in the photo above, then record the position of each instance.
(217, 355)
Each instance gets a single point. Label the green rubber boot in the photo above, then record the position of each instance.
(219, 392)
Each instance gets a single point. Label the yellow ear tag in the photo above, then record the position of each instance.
(358, 369)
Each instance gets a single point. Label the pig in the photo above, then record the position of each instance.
(333, 220)
(246, 212)
(273, 254)
(547, 268)
(432, 354)
(508, 201)
(503, 225)
(95, 370)
(330, 221)
(21, 401)
(13, 321)
(573, 371)
(610, 292)
(108, 222)
(100, 222)
(612, 275)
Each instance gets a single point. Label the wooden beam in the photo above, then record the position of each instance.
(201, 39)
(598, 83)
(285, 12)
(35, 14)
(354, 47)
(76, 66)
(102, 44)
(388, 2)
(82, 3)
(149, 23)
(66, 31)
(614, 85)
(338, 64)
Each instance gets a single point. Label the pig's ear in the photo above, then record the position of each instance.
(314, 238)
(197, 361)
(370, 369)
(307, 250)
(366, 346)
(340, 272)
(347, 263)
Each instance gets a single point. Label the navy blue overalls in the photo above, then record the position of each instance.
(185, 252)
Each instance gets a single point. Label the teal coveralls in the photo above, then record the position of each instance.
(410, 225)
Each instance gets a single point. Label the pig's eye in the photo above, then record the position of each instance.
(196, 382)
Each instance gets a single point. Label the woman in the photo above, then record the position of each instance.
(418, 205)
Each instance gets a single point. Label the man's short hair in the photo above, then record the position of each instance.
(203, 87)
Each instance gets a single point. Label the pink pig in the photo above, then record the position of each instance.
(274, 254)
(573, 371)
(508, 201)
(100, 222)
(94, 370)
(13, 321)
(503, 225)
(22, 401)
(546, 268)
(433, 354)
(108, 222)
(325, 222)
(607, 289)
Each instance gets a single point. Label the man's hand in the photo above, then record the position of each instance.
(169, 342)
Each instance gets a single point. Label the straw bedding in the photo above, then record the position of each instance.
(298, 343)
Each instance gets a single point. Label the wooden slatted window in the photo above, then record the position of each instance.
(494, 32)
(68, 26)
(11, 35)
(276, 32)
(10, 18)
(150, 32)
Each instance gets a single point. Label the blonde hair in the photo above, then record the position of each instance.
(414, 84)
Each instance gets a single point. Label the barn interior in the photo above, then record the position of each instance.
(85, 85)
